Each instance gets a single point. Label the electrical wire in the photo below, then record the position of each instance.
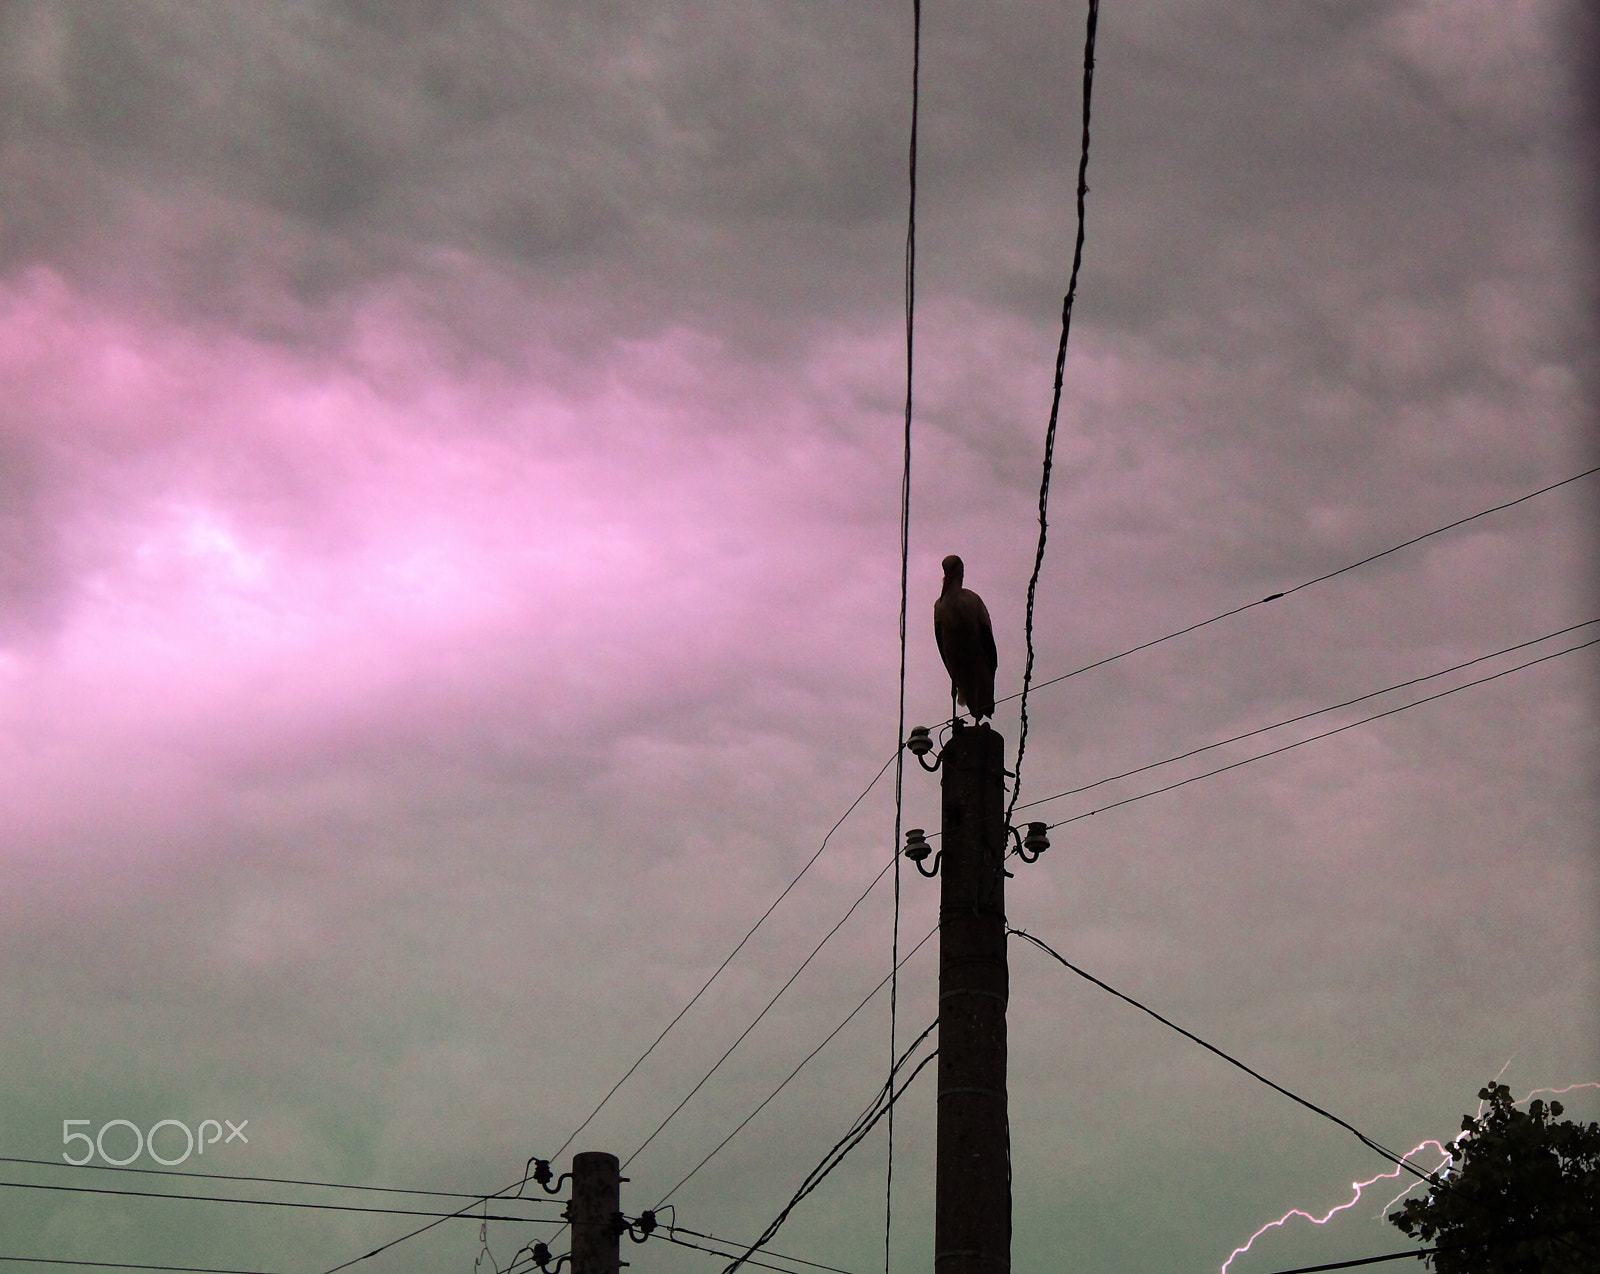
(1397, 1159)
(1288, 747)
(423, 1229)
(1558, 1233)
(882, 1102)
(1400, 1161)
(1055, 400)
(1306, 716)
(729, 960)
(268, 1203)
(1272, 597)
(900, 729)
(125, 1265)
(742, 1035)
(777, 1256)
(1415, 1254)
(905, 561)
(1153, 765)
(670, 1238)
(825, 1042)
(228, 1176)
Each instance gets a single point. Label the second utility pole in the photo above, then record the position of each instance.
(595, 1213)
(972, 1194)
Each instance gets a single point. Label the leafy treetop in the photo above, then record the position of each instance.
(1521, 1194)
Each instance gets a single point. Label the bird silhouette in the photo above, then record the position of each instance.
(966, 642)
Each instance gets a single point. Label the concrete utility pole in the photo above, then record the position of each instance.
(972, 1195)
(595, 1213)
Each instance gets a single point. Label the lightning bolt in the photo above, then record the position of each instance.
(1443, 1149)
(1356, 1186)
(1556, 1092)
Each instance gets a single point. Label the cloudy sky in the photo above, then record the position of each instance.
(449, 586)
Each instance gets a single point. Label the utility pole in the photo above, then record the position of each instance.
(595, 1213)
(972, 1195)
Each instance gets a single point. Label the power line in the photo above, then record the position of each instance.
(779, 1256)
(1415, 1254)
(1055, 400)
(268, 1203)
(1377, 716)
(1399, 1160)
(1305, 716)
(1439, 530)
(227, 1176)
(125, 1265)
(905, 560)
(792, 977)
(883, 1102)
(737, 948)
(670, 1238)
(1558, 1233)
(1272, 597)
(825, 1042)
(423, 1229)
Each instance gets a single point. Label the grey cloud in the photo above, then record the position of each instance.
(631, 272)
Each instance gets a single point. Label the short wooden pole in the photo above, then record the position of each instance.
(595, 1213)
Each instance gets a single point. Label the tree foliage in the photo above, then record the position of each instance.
(1521, 1194)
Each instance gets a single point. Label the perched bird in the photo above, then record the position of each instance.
(966, 642)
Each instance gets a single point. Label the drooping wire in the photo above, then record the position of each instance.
(905, 558)
(883, 1102)
(1397, 1159)
(1289, 747)
(803, 1061)
(1272, 597)
(1306, 716)
(738, 947)
(1055, 401)
(1416, 1254)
